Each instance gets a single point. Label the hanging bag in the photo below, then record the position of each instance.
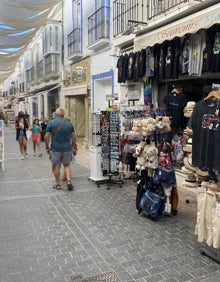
(165, 174)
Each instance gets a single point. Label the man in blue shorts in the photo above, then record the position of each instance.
(63, 140)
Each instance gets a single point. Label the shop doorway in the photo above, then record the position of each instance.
(77, 114)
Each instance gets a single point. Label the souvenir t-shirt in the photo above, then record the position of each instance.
(149, 62)
(196, 47)
(216, 53)
(184, 57)
(169, 62)
(130, 68)
(174, 108)
(206, 135)
(142, 63)
(122, 65)
(136, 66)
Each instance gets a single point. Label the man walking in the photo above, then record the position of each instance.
(63, 140)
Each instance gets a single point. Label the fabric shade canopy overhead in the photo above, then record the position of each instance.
(191, 24)
(19, 22)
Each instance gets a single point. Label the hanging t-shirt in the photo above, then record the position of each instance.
(169, 61)
(206, 135)
(176, 58)
(122, 65)
(130, 70)
(149, 62)
(207, 58)
(142, 63)
(216, 53)
(174, 108)
(184, 57)
(136, 66)
(161, 62)
(196, 47)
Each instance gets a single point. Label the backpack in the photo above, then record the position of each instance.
(152, 202)
(141, 188)
(165, 173)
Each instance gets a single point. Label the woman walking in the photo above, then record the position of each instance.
(36, 136)
(21, 125)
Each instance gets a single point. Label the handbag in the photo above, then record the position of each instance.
(165, 173)
(28, 134)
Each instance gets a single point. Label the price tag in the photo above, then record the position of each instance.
(217, 209)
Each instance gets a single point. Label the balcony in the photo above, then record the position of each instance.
(75, 45)
(123, 11)
(161, 7)
(99, 29)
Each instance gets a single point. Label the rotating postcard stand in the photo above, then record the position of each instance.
(110, 141)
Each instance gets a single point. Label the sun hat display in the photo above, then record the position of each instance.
(190, 181)
(188, 163)
(187, 148)
(186, 170)
(187, 111)
(214, 187)
(201, 172)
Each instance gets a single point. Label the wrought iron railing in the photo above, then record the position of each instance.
(99, 25)
(124, 10)
(74, 42)
(157, 7)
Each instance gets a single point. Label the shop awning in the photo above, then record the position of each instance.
(190, 24)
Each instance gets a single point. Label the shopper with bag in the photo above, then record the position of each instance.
(62, 135)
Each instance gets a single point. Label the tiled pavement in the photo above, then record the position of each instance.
(47, 235)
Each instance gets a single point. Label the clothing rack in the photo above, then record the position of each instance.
(210, 254)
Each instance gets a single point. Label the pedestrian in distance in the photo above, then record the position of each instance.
(60, 140)
(21, 126)
(36, 137)
(27, 116)
(6, 118)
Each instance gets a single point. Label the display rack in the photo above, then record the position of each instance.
(2, 157)
(96, 174)
(110, 140)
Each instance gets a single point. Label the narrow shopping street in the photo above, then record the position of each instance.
(49, 235)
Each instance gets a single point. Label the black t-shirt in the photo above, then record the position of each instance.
(206, 135)
(174, 108)
(130, 69)
(122, 65)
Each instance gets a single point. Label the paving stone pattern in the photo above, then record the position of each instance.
(49, 236)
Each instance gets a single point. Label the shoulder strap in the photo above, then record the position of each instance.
(59, 127)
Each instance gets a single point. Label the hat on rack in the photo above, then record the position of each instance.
(186, 170)
(187, 148)
(190, 181)
(188, 163)
(187, 111)
(202, 173)
(214, 187)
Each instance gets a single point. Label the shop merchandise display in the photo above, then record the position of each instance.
(204, 161)
(110, 140)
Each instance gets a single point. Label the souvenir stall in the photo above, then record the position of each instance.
(205, 158)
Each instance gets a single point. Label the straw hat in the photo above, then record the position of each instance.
(186, 170)
(201, 172)
(187, 111)
(188, 163)
(190, 181)
(214, 187)
(187, 148)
